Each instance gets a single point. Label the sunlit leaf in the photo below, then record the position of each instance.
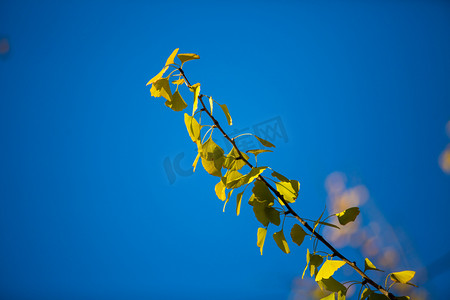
(171, 58)
(314, 263)
(232, 180)
(220, 190)
(281, 241)
(261, 237)
(341, 295)
(158, 76)
(196, 89)
(193, 127)
(196, 161)
(329, 297)
(348, 215)
(176, 103)
(184, 57)
(234, 160)
(212, 158)
(308, 257)
(211, 104)
(227, 113)
(328, 268)
(297, 234)
(238, 203)
(332, 285)
(228, 199)
(178, 81)
(161, 88)
(288, 189)
(368, 265)
(366, 293)
(264, 142)
(403, 276)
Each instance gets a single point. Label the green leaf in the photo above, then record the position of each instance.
(220, 190)
(403, 276)
(289, 190)
(184, 57)
(176, 102)
(261, 238)
(228, 199)
(264, 142)
(193, 127)
(279, 176)
(314, 263)
(328, 269)
(171, 58)
(332, 285)
(161, 88)
(368, 265)
(329, 297)
(196, 89)
(348, 215)
(238, 203)
(231, 180)
(264, 212)
(297, 234)
(308, 257)
(328, 224)
(262, 192)
(234, 161)
(227, 113)
(281, 241)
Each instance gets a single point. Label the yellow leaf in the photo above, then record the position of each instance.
(158, 76)
(329, 297)
(328, 269)
(176, 102)
(308, 257)
(227, 113)
(196, 89)
(368, 265)
(403, 277)
(261, 238)
(196, 161)
(238, 203)
(289, 189)
(161, 88)
(281, 241)
(184, 57)
(178, 81)
(228, 199)
(211, 104)
(220, 190)
(171, 58)
(193, 127)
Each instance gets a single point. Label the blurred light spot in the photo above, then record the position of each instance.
(335, 183)
(389, 258)
(4, 46)
(447, 128)
(370, 248)
(444, 160)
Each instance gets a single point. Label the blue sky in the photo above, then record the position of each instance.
(88, 208)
